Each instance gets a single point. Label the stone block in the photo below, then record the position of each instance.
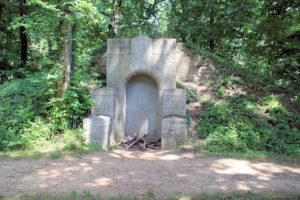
(173, 102)
(173, 132)
(104, 102)
(141, 48)
(167, 81)
(97, 130)
(118, 46)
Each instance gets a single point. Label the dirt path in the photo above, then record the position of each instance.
(167, 173)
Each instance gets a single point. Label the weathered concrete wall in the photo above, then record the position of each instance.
(127, 58)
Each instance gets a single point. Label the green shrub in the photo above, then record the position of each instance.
(38, 134)
(69, 111)
(191, 94)
(31, 116)
(22, 101)
(240, 126)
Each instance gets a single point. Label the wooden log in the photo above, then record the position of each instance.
(152, 147)
(133, 143)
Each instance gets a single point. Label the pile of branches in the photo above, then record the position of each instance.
(143, 142)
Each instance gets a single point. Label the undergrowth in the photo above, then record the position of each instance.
(191, 93)
(32, 117)
(252, 114)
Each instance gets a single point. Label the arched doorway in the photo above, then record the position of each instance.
(141, 106)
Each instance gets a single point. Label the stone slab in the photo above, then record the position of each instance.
(97, 130)
(104, 102)
(173, 132)
(174, 102)
(141, 48)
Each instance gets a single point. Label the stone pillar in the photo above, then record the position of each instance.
(99, 128)
(174, 124)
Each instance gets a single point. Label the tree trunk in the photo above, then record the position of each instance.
(1, 8)
(65, 56)
(23, 36)
(113, 27)
(211, 25)
(183, 34)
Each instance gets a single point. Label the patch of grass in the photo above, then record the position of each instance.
(55, 155)
(53, 152)
(191, 93)
(199, 148)
(21, 154)
(122, 197)
(113, 145)
(247, 196)
(71, 146)
(253, 155)
(87, 195)
(150, 193)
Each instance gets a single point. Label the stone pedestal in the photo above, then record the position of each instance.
(173, 132)
(174, 125)
(97, 130)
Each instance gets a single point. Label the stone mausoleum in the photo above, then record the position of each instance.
(141, 95)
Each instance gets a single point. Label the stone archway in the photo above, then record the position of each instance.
(141, 106)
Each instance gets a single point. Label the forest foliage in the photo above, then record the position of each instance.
(259, 38)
